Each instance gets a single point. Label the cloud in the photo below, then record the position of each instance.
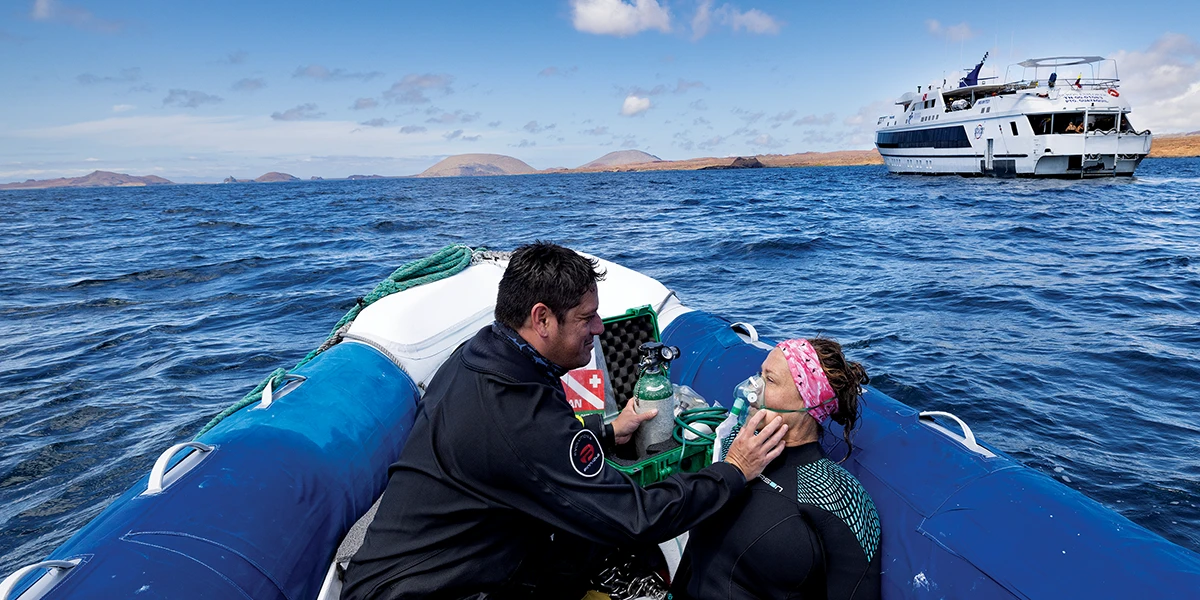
(783, 116)
(634, 105)
(533, 127)
(304, 112)
(10, 37)
(364, 104)
(494, 124)
(120, 108)
(749, 117)
(235, 58)
(523, 144)
(595, 131)
(1163, 83)
(189, 98)
(127, 76)
(241, 142)
(701, 121)
(322, 73)
(681, 87)
(413, 129)
(557, 72)
(751, 21)
(629, 143)
(412, 89)
(862, 125)
(458, 116)
(699, 105)
(711, 143)
(619, 17)
(766, 141)
(682, 141)
(249, 85)
(457, 134)
(954, 33)
(825, 119)
(377, 122)
(56, 12)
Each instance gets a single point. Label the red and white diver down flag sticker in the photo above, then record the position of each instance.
(585, 389)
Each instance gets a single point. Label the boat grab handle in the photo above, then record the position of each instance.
(749, 335)
(268, 393)
(10, 583)
(751, 332)
(159, 471)
(967, 438)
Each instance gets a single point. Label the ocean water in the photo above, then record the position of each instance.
(1060, 319)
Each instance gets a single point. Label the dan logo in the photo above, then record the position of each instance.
(979, 131)
(587, 458)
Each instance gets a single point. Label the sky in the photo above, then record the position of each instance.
(199, 91)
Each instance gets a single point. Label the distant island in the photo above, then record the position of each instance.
(622, 157)
(1183, 145)
(93, 179)
(475, 165)
(844, 158)
(479, 165)
(272, 177)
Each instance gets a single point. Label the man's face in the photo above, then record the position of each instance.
(570, 342)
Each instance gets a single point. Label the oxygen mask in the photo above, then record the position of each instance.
(751, 393)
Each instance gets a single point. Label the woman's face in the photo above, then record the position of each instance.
(779, 389)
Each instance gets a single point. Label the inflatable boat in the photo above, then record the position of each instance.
(271, 499)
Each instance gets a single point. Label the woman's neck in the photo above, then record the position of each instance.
(803, 432)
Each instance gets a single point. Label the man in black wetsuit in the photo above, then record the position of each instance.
(500, 492)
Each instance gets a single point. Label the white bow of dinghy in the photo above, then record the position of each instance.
(420, 327)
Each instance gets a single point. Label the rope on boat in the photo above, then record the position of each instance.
(442, 264)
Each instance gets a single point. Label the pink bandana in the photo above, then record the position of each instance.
(810, 378)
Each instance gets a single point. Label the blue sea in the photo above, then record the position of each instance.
(1060, 319)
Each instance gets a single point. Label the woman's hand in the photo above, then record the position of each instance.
(750, 452)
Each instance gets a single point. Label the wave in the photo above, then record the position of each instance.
(178, 276)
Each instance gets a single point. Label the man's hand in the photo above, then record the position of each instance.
(628, 421)
(752, 453)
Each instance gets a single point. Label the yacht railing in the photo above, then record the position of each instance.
(1106, 83)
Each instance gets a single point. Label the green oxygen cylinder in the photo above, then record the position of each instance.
(654, 391)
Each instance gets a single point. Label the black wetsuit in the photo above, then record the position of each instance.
(500, 492)
(809, 530)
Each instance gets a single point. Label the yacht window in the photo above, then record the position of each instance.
(1040, 123)
(954, 136)
(1013, 124)
(1126, 127)
(1102, 122)
(1071, 122)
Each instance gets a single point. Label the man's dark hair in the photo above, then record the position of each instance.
(548, 273)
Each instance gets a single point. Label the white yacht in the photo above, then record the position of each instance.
(1063, 117)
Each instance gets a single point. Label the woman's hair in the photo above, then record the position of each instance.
(847, 378)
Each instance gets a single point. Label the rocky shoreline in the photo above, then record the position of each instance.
(624, 161)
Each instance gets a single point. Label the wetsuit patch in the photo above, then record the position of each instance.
(587, 458)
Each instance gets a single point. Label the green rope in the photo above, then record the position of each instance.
(442, 264)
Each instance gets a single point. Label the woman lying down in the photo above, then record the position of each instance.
(807, 528)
